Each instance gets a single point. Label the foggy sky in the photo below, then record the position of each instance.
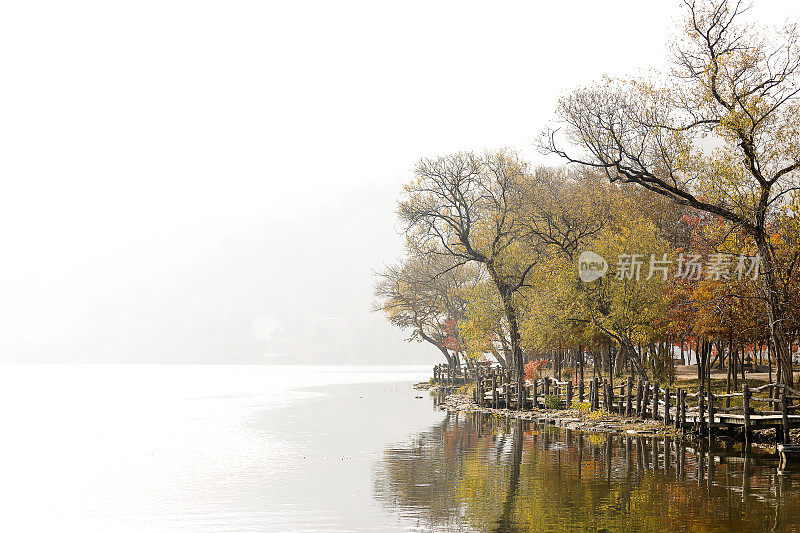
(216, 181)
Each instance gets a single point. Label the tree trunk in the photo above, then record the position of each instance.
(775, 312)
(683, 359)
(698, 359)
(634, 359)
(605, 350)
(517, 361)
(446, 355)
(741, 366)
(769, 360)
(619, 364)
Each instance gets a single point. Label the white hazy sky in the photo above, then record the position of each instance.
(185, 180)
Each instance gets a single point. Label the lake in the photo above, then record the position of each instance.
(264, 448)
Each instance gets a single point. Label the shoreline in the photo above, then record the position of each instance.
(600, 421)
(575, 419)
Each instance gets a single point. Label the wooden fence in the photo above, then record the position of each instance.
(700, 410)
(445, 375)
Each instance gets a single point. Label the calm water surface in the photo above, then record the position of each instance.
(480, 473)
(257, 448)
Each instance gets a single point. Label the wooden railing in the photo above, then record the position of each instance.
(702, 411)
(446, 375)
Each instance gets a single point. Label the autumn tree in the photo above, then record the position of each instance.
(720, 134)
(466, 206)
(424, 294)
(563, 208)
(484, 327)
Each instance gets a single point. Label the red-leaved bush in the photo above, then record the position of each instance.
(533, 369)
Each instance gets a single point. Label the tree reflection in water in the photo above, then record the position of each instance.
(475, 472)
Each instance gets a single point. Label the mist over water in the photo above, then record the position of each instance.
(197, 448)
(292, 291)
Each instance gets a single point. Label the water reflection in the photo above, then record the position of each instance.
(475, 472)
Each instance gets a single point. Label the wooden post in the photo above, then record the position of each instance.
(683, 409)
(731, 370)
(645, 398)
(477, 387)
(495, 399)
(710, 414)
(785, 414)
(629, 391)
(748, 432)
(580, 391)
(666, 405)
(605, 395)
(569, 393)
(535, 397)
(546, 387)
(655, 401)
(677, 409)
(701, 408)
(610, 397)
(638, 397)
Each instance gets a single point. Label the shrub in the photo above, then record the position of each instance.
(533, 369)
(583, 407)
(552, 402)
(600, 414)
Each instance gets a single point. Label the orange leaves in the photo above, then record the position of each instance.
(533, 370)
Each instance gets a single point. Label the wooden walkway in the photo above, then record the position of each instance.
(700, 411)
